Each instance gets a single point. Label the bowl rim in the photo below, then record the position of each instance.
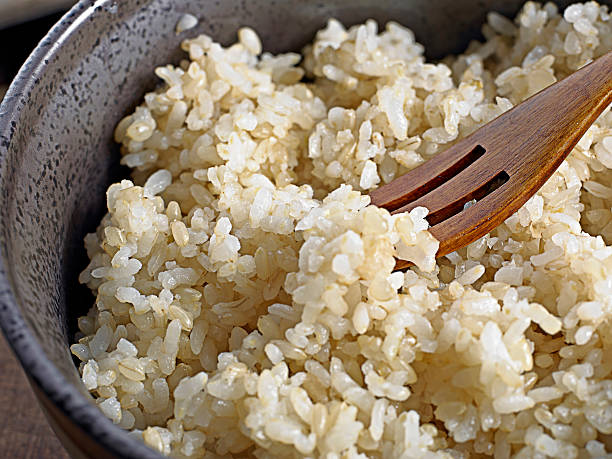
(41, 372)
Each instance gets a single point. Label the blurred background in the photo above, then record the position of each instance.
(16, 11)
(24, 431)
(24, 22)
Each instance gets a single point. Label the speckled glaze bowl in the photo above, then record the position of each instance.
(57, 157)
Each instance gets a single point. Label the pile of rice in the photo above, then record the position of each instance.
(246, 303)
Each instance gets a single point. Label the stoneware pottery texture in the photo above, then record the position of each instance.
(57, 157)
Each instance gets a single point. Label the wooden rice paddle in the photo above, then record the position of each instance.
(502, 164)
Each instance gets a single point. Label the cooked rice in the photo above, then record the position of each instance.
(186, 22)
(246, 303)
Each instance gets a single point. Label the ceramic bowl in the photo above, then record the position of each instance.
(57, 158)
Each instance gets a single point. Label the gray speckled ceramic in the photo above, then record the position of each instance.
(57, 157)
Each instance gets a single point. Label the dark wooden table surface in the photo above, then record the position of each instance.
(24, 431)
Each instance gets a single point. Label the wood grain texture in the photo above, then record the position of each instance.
(524, 146)
(24, 431)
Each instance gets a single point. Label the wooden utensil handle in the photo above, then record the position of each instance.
(528, 143)
(551, 121)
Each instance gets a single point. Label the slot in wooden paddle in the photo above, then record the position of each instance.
(502, 164)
